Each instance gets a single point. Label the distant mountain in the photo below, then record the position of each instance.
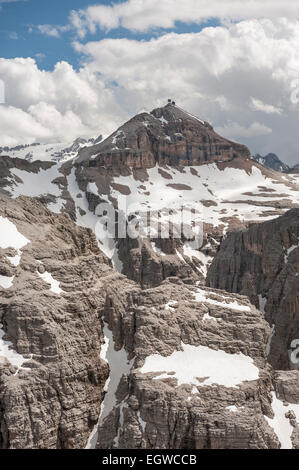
(294, 169)
(60, 151)
(272, 161)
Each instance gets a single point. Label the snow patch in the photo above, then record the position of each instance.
(36, 184)
(232, 408)
(10, 236)
(48, 278)
(200, 362)
(170, 305)
(281, 425)
(262, 303)
(207, 316)
(163, 120)
(15, 260)
(9, 354)
(141, 422)
(204, 259)
(157, 249)
(119, 365)
(202, 296)
(86, 218)
(180, 256)
(289, 251)
(6, 282)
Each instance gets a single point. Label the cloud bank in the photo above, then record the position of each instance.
(237, 76)
(145, 15)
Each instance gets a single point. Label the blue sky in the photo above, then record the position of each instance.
(18, 17)
(19, 36)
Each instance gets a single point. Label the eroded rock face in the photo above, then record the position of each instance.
(149, 262)
(156, 409)
(52, 321)
(263, 263)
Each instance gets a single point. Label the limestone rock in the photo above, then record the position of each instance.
(155, 409)
(53, 401)
(263, 263)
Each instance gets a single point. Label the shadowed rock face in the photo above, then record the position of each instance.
(147, 267)
(55, 402)
(263, 263)
(166, 136)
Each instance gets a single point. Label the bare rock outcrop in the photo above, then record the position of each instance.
(180, 387)
(51, 373)
(263, 263)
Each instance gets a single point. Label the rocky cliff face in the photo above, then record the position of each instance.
(263, 263)
(181, 385)
(51, 285)
(91, 358)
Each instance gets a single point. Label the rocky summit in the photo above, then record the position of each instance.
(165, 136)
(109, 341)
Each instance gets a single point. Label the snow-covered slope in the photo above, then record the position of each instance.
(224, 193)
(223, 197)
(49, 152)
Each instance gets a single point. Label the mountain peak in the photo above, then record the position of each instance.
(171, 112)
(168, 135)
(272, 161)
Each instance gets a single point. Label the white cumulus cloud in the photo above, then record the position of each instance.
(265, 108)
(240, 77)
(144, 15)
(235, 130)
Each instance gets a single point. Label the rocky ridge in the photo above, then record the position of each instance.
(263, 263)
(166, 136)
